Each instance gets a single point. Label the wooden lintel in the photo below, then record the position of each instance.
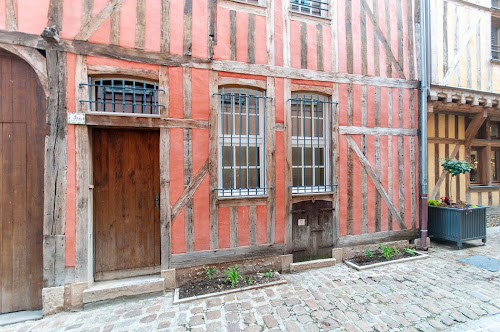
(198, 258)
(189, 190)
(123, 71)
(351, 130)
(242, 201)
(143, 122)
(260, 84)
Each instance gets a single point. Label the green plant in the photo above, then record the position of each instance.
(432, 202)
(268, 274)
(250, 281)
(387, 251)
(369, 253)
(233, 275)
(210, 272)
(456, 167)
(409, 251)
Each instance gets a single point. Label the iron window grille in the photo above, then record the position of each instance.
(242, 142)
(312, 120)
(495, 4)
(253, 2)
(495, 43)
(310, 7)
(121, 96)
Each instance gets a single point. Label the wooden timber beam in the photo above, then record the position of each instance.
(376, 181)
(143, 122)
(470, 133)
(157, 58)
(94, 24)
(189, 191)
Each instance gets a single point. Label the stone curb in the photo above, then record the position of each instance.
(236, 290)
(371, 266)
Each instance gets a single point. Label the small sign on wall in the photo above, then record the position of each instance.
(302, 222)
(76, 118)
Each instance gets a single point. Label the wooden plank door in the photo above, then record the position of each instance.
(22, 148)
(126, 202)
(312, 230)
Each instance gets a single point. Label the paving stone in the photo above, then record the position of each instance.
(148, 319)
(197, 320)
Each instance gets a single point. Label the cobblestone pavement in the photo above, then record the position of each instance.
(431, 294)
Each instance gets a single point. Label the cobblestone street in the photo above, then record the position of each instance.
(438, 293)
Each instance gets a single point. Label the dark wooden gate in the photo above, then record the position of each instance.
(22, 135)
(312, 230)
(126, 202)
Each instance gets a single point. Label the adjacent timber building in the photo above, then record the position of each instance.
(154, 137)
(463, 108)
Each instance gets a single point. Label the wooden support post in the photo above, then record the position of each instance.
(288, 166)
(165, 208)
(270, 161)
(213, 160)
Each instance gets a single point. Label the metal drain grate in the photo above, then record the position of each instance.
(482, 262)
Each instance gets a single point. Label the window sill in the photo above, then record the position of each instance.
(124, 114)
(484, 187)
(310, 17)
(224, 201)
(495, 62)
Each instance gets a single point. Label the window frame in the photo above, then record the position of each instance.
(495, 38)
(324, 8)
(93, 102)
(315, 142)
(259, 143)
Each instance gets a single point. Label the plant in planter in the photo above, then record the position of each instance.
(456, 221)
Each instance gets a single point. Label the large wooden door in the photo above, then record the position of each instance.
(22, 135)
(126, 201)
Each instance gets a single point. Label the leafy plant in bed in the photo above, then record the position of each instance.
(228, 280)
(384, 253)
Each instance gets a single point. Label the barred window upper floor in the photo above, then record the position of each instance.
(310, 7)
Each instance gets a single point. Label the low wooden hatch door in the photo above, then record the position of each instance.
(126, 203)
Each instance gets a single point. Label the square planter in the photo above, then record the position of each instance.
(457, 225)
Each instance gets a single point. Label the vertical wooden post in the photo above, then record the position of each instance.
(165, 206)
(288, 166)
(334, 163)
(213, 160)
(83, 245)
(270, 160)
(56, 155)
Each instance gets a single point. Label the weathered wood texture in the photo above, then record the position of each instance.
(126, 199)
(22, 136)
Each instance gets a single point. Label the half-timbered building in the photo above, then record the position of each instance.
(463, 107)
(148, 139)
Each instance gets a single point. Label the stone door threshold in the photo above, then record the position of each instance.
(20, 316)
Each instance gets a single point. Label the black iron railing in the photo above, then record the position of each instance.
(495, 52)
(311, 7)
(312, 151)
(122, 96)
(242, 142)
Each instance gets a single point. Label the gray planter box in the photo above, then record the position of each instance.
(456, 224)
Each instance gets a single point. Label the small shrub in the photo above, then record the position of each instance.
(456, 167)
(233, 275)
(432, 202)
(409, 251)
(210, 272)
(268, 274)
(369, 253)
(387, 251)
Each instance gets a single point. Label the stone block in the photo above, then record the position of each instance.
(418, 242)
(169, 279)
(337, 254)
(286, 260)
(52, 300)
(315, 264)
(76, 295)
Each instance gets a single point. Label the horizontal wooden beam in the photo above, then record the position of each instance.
(129, 121)
(357, 240)
(260, 84)
(351, 130)
(135, 55)
(123, 71)
(442, 140)
(311, 88)
(218, 256)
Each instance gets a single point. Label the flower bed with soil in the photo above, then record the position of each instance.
(376, 258)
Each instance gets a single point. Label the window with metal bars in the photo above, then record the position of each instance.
(253, 2)
(123, 96)
(311, 7)
(242, 142)
(495, 42)
(312, 117)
